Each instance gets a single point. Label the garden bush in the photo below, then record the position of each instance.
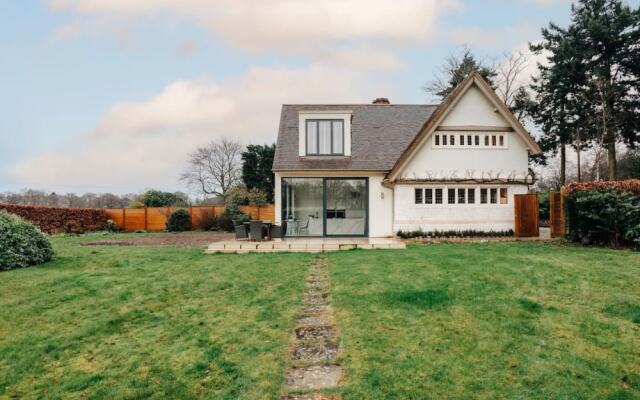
(452, 234)
(60, 220)
(232, 212)
(179, 221)
(604, 213)
(112, 226)
(21, 243)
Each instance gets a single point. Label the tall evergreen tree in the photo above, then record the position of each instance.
(608, 43)
(455, 69)
(559, 88)
(257, 161)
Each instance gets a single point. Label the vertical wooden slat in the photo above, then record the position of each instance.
(526, 215)
(146, 218)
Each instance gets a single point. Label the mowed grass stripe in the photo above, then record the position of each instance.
(494, 320)
(148, 322)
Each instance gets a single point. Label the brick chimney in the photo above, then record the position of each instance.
(381, 100)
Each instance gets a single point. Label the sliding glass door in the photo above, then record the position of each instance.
(325, 206)
(346, 207)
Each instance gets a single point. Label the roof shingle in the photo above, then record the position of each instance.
(379, 136)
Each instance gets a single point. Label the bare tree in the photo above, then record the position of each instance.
(215, 168)
(509, 76)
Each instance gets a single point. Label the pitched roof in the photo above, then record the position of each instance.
(379, 136)
(447, 105)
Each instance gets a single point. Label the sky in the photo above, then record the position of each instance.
(112, 95)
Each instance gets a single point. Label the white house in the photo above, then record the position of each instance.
(374, 169)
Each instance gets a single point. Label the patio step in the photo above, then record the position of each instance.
(299, 246)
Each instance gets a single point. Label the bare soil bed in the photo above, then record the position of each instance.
(197, 238)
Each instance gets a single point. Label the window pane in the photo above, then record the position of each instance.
(324, 133)
(471, 196)
(418, 196)
(302, 206)
(462, 196)
(494, 196)
(486, 140)
(437, 140)
(312, 137)
(483, 196)
(477, 140)
(501, 141)
(461, 140)
(444, 140)
(493, 140)
(469, 142)
(451, 196)
(438, 196)
(338, 137)
(428, 195)
(503, 195)
(452, 140)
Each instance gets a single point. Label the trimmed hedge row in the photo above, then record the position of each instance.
(604, 213)
(58, 220)
(453, 234)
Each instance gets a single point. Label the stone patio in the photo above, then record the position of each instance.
(310, 245)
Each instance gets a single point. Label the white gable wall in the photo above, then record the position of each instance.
(432, 162)
(473, 109)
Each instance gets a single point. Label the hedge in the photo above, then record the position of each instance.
(21, 243)
(468, 233)
(604, 212)
(57, 219)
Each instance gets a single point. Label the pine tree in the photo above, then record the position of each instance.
(608, 43)
(455, 69)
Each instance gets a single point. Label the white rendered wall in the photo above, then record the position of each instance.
(429, 217)
(380, 199)
(474, 109)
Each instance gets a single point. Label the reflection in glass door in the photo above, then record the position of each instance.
(346, 207)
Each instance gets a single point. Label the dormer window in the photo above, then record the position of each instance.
(324, 137)
(324, 133)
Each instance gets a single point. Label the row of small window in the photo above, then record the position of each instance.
(460, 196)
(469, 140)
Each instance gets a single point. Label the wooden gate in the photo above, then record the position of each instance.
(526, 212)
(556, 214)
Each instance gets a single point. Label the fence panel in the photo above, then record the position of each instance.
(526, 214)
(556, 214)
(155, 218)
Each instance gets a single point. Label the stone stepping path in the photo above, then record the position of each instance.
(313, 360)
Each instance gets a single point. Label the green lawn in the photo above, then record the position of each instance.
(148, 322)
(512, 320)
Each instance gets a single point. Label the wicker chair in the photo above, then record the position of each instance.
(276, 232)
(255, 230)
(241, 231)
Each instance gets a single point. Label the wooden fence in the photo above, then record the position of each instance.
(556, 213)
(155, 218)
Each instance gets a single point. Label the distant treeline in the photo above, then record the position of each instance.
(34, 197)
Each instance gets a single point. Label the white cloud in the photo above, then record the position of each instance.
(144, 144)
(305, 28)
(499, 38)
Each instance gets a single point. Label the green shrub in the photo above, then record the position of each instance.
(21, 243)
(452, 233)
(157, 198)
(232, 212)
(179, 221)
(112, 226)
(604, 215)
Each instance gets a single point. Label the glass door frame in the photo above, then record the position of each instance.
(324, 202)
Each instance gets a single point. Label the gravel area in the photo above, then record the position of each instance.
(163, 239)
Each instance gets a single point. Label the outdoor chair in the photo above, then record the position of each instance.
(255, 230)
(304, 229)
(276, 232)
(241, 231)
